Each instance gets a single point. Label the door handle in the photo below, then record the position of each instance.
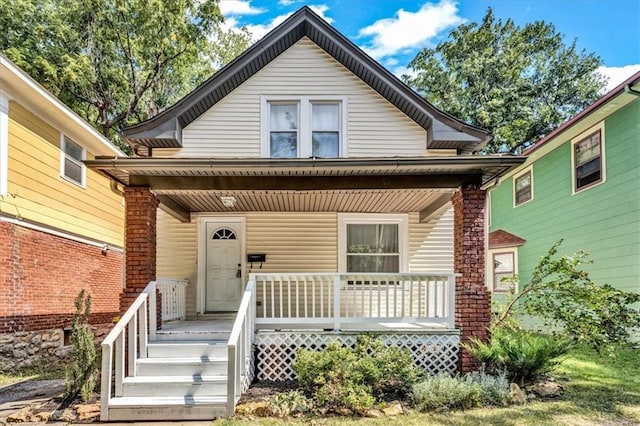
(239, 272)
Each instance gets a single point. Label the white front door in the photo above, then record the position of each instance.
(223, 275)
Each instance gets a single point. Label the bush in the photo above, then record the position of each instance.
(494, 390)
(445, 392)
(355, 378)
(521, 355)
(289, 404)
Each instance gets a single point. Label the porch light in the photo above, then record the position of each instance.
(228, 201)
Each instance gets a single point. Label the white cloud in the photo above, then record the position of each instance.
(618, 74)
(238, 8)
(286, 2)
(400, 71)
(409, 30)
(259, 30)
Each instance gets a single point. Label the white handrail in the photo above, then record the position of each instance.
(240, 351)
(113, 346)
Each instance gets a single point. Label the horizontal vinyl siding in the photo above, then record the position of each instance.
(232, 127)
(602, 220)
(431, 243)
(39, 194)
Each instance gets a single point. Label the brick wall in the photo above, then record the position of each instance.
(473, 310)
(41, 275)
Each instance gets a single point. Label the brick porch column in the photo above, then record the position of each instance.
(140, 244)
(473, 310)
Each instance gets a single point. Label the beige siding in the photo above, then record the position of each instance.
(431, 243)
(232, 127)
(39, 194)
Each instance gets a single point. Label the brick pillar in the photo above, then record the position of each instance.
(140, 243)
(473, 310)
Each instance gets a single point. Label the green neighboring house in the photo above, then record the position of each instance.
(580, 183)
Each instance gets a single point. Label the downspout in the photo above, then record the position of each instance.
(629, 90)
(114, 188)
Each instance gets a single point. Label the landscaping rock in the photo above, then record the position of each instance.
(65, 415)
(373, 413)
(517, 395)
(394, 409)
(88, 411)
(257, 408)
(20, 416)
(547, 389)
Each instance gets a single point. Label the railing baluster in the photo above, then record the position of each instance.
(119, 363)
(132, 337)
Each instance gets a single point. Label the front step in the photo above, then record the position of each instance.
(192, 335)
(162, 386)
(187, 349)
(203, 366)
(167, 408)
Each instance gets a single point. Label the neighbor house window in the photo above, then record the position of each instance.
(587, 161)
(503, 266)
(523, 187)
(303, 127)
(372, 243)
(72, 167)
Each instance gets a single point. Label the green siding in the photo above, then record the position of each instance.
(603, 220)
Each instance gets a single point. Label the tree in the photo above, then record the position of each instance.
(116, 62)
(518, 82)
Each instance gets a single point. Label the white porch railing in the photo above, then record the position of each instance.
(174, 298)
(335, 299)
(240, 347)
(132, 329)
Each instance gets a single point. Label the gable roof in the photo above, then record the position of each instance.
(165, 129)
(500, 238)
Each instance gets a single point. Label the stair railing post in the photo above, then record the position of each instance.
(153, 313)
(336, 302)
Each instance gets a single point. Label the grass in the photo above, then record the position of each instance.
(43, 369)
(597, 390)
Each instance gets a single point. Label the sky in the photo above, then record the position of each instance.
(394, 31)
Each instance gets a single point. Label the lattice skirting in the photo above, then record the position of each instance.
(276, 351)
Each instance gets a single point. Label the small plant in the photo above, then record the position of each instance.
(446, 392)
(521, 355)
(289, 404)
(494, 390)
(82, 372)
(355, 378)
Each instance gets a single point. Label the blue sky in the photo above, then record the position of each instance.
(393, 31)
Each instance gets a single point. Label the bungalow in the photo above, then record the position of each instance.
(302, 194)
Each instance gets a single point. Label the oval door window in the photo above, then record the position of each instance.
(224, 234)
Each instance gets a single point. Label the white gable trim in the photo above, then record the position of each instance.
(4, 145)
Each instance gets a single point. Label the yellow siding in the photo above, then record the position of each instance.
(232, 127)
(39, 194)
(431, 243)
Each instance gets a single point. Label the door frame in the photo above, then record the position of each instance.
(203, 221)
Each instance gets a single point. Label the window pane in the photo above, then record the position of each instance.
(326, 144)
(503, 263)
(523, 188)
(373, 263)
(588, 173)
(284, 144)
(72, 149)
(325, 117)
(72, 170)
(588, 149)
(374, 238)
(284, 117)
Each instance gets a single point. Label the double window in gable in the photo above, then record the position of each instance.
(523, 187)
(587, 161)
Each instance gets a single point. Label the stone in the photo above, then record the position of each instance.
(373, 413)
(517, 395)
(65, 415)
(42, 416)
(88, 411)
(36, 339)
(547, 389)
(6, 338)
(20, 416)
(258, 408)
(393, 409)
(19, 354)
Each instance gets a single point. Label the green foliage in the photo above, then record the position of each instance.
(289, 403)
(82, 372)
(445, 392)
(522, 355)
(565, 298)
(354, 378)
(494, 389)
(518, 82)
(115, 63)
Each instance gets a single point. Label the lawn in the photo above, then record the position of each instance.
(598, 390)
(44, 369)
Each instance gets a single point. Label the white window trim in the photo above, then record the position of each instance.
(4, 145)
(401, 220)
(491, 274)
(516, 176)
(304, 122)
(63, 155)
(603, 161)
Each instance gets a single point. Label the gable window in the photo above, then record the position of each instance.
(372, 243)
(587, 161)
(71, 165)
(303, 127)
(523, 187)
(503, 266)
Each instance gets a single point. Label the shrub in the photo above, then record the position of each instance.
(289, 403)
(354, 378)
(82, 372)
(445, 392)
(521, 355)
(494, 390)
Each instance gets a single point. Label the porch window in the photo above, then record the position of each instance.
(503, 266)
(372, 243)
(523, 187)
(303, 127)
(71, 165)
(587, 161)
